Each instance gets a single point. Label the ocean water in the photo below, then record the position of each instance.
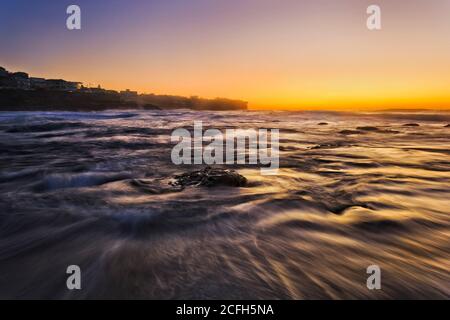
(362, 190)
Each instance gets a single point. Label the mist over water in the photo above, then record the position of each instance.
(353, 190)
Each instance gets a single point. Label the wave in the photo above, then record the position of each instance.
(55, 126)
(88, 179)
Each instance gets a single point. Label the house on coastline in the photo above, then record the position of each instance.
(62, 85)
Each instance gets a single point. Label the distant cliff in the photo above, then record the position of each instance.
(195, 103)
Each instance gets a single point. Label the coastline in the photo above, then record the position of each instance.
(57, 100)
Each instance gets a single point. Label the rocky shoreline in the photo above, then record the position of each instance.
(54, 100)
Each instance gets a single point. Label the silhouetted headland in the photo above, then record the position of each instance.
(20, 92)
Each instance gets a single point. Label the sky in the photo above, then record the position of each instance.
(275, 54)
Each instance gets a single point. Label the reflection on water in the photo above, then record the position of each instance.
(359, 190)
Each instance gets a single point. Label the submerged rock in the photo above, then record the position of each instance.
(210, 177)
(447, 126)
(322, 124)
(375, 129)
(350, 132)
(207, 177)
(411, 125)
(155, 186)
(368, 128)
(329, 145)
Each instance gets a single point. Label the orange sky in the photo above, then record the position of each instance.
(310, 54)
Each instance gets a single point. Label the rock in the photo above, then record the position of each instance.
(155, 186)
(447, 126)
(375, 129)
(390, 131)
(210, 177)
(330, 145)
(207, 177)
(349, 132)
(322, 124)
(368, 128)
(411, 125)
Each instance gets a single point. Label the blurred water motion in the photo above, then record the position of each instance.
(353, 190)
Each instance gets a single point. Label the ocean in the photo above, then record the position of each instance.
(353, 190)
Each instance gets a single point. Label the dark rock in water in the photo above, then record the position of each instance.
(322, 124)
(368, 128)
(375, 129)
(447, 126)
(411, 125)
(155, 186)
(390, 131)
(210, 177)
(349, 132)
(330, 145)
